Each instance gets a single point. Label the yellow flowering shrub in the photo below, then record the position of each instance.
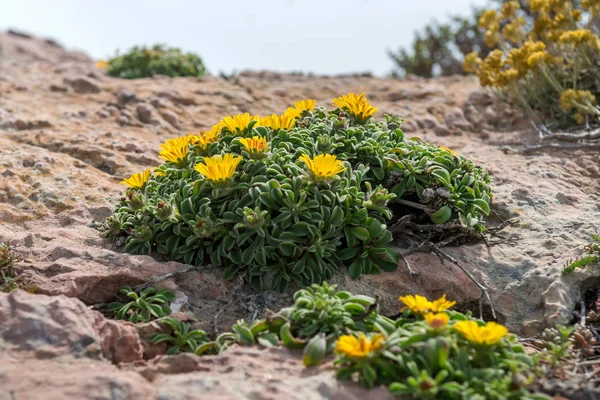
(547, 59)
(290, 199)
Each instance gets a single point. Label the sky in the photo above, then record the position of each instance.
(319, 36)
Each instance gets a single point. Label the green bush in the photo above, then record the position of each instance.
(144, 62)
(291, 198)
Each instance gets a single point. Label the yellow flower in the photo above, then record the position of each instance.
(513, 31)
(137, 180)
(510, 8)
(255, 145)
(450, 150)
(278, 122)
(357, 104)
(323, 166)
(579, 37)
(203, 139)
(489, 20)
(420, 305)
(299, 107)
(441, 304)
(538, 57)
(491, 67)
(581, 100)
(489, 334)
(416, 303)
(219, 169)
(238, 123)
(175, 150)
(471, 62)
(158, 172)
(437, 320)
(593, 6)
(360, 347)
(101, 64)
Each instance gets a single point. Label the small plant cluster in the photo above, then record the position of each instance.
(145, 62)
(290, 198)
(430, 352)
(592, 256)
(547, 58)
(149, 304)
(9, 277)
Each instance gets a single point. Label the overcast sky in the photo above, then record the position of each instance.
(322, 36)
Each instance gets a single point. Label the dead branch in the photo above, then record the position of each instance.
(411, 272)
(554, 146)
(414, 205)
(159, 278)
(484, 290)
(546, 134)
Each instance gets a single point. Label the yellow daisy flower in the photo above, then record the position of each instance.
(299, 107)
(238, 123)
(450, 150)
(137, 180)
(437, 320)
(357, 104)
(441, 304)
(360, 347)
(203, 139)
(278, 122)
(175, 150)
(219, 169)
(416, 303)
(323, 166)
(489, 334)
(256, 145)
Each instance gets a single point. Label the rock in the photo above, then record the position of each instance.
(58, 88)
(147, 114)
(442, 130)
(249, 372)
(53, 326)
(83, 85)
(427, 122)
(157, 102)
(455, 118)
(170, 117)
(127, 96)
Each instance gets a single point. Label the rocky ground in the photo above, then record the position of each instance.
(69, 134)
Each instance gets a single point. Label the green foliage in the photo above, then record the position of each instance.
(148, 305)
(421, 362)
(592, 256)
(181, 338)
(9, 278)
(414, 357)
(143, 62)
(440, 47)
(276, 225)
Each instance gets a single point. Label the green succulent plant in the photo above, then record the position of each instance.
(181, 338)
(149, 304)
(592, 257)
(9, 278)
(144, 62)
(279, 216)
